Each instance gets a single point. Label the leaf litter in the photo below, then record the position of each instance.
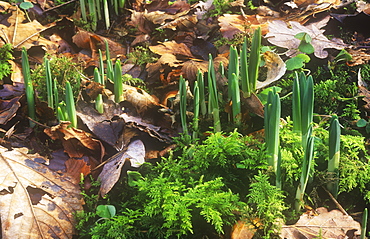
(144, 115)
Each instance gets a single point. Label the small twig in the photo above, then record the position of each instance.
(336, 202)
(6, 36)
(15, 26)
(39, 124)
(61, 5)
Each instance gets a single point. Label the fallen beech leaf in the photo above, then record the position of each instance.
(77, 143)
(283, 36)
(333, 224)
(76, 167)
(41, 208)
(172, 47)
(190, 69)
(275, 69)
(183, 22)
(111, 172)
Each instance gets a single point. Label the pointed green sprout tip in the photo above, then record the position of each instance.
(196, 110)
(29, 87)
(71, 108)
(49, 83)
(213, 96)
(182, 94)
(334, 155)
(118, 85)
(245, 82)
(99, 99)
(254, 59)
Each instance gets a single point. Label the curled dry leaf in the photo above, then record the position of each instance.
(111, 172)
(333, 224)
(282, 35)
(8, 109)
(77, 143)
(275, 69)
(41, 208)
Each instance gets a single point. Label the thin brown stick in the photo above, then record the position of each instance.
(336, 202)
(61, 5)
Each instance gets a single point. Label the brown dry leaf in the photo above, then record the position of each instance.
(363, 91)
(359, 56)
(77, 143)
(143, 103)
(19, 31)
(275, 68)
(282, 35)
(183, 22)
(190, 69)
(172, 47)
(41, 208)
(93, 42)
(242, 230)
(333, 224)
(8, 109)
(231, 24)
(135, 154)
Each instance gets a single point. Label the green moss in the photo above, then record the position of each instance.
(5, 56)
(62, 69)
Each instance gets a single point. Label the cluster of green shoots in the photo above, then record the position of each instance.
(99, 9)
(242, 74)
(242, 77)
(65, 109)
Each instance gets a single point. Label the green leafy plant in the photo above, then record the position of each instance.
(141, 56)
(306, 170)
(30, 94)
(96, 8)
(272, 126)
(305, 47)
(99, 99)
(267, 206)
(334, 155)
(364, 223)
(5, 57)
(61, 68)
(118, 84)
(213, 107)
(70, 105)
(183, 93)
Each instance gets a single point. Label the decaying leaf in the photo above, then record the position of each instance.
(77, 143)
(111, 172)
(8, 109)
(232, 24)
(282, 35)
(172, 47)
(19, 31)
(242, 230)
(333, 224)
(275, 69)
(35, 202)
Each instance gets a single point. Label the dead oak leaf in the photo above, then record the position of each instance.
(35, 202)
(172, 47)
(333, 224)
(282, 35)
